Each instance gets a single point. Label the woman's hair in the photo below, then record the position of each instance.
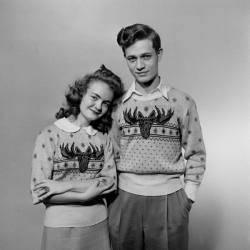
(77, 90)
(129, 35)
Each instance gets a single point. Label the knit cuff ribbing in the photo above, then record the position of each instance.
(191, 189)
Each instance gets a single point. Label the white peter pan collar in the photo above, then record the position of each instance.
(70, 127)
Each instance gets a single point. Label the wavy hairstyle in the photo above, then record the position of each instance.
(77, 90)
(129, 35)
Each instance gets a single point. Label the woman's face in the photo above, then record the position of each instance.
(96, 101)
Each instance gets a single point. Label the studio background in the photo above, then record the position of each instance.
(45, 45)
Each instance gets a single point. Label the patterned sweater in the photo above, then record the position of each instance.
(159, 141)
(66, 152)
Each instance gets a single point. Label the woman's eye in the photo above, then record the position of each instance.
(94, 97)
(107, 104)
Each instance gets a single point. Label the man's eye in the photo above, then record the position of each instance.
(146, 57)
(131, 59)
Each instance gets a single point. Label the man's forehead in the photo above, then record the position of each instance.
(140, 47)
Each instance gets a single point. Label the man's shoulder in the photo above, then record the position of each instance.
(176, 94)
(124, 98)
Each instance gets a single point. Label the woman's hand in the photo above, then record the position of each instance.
(46, 188)
(107, 181)
(98, 187)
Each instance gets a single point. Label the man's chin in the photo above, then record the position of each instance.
(145, 82)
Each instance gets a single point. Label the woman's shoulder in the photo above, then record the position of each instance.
(104, 138)
(49, 131)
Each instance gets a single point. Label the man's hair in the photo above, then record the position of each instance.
(129, 35)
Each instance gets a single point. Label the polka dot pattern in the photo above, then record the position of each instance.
(162, 152)
(48, 162)
(153, 160)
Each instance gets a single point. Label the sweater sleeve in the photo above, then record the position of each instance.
(115, 135)
(109, 168)
(194, 150)
(42, 161)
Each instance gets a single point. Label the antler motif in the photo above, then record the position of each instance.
(83, 157)
(161, 117)
(146, 122)
(130, 119)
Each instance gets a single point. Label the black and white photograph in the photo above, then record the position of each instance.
(125, 125)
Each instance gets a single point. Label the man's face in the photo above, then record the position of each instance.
(142, 61)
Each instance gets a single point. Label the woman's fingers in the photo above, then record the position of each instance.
(97, 183)
(111, 184)
(106, 184)
(41, 182)
(100, 174)
(42, 191)
(39, 186)
(44, 196)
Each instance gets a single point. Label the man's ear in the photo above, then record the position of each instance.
(160, 53)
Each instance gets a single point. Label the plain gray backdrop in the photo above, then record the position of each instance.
(45, 45)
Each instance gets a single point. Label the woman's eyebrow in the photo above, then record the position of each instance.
(94, 93)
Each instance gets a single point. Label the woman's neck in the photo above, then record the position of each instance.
(79, 121)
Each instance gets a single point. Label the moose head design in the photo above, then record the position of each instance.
(82, 157)
(146, 122)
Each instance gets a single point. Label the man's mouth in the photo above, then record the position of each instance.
(141, 73)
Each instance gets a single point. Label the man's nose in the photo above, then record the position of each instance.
(139, 64)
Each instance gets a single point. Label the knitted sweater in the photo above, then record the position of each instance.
(159, 140)
(66, 152)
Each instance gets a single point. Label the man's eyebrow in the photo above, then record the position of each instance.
(143, 54)
(146, 53)
(131, 56)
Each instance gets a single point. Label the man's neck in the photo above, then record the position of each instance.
(148, 87)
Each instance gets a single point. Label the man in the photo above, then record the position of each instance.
(159, 141)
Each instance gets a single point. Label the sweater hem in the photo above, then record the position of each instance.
(158, 189)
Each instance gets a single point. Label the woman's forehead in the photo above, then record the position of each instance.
(101, 89)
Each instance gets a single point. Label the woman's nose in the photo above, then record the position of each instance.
(98, 105)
